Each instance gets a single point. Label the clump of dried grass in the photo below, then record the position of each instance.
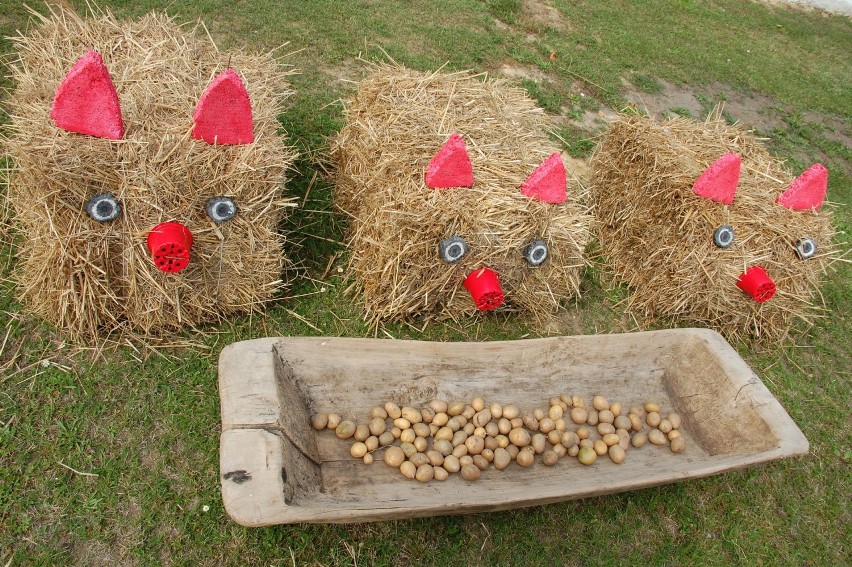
(657, 236)
(93, 280)
(395, 124)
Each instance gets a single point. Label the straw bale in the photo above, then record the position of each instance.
(394, 125)
(95, 280)
(656, 235)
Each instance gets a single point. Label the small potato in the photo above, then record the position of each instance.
(402, 423)
(569, 439)
(460, 451)
(440, 473)
(583, 432)
(455, 408)
(421, 444)
(525, 457)
(520, 437)
(443, 446)
(386, 438)
(368, 459)
(611, 439)
(394, 457)
(513, 451)
(502, 441)
(469, 412)
(606, 416)
(465, 460)
(538, 443)
(600, 447)
(652, 407)
(480, 431)
(333, 420)
(555, 412)
(454, 424)
(561, 425)
(617, 454)
(600, 403)
(587, 455)
(673, 433)
(482, 417)
(636, 410)
(491, 430)
(377, 426)
(408, 436)
(560, 450)
(396, 432)
(459, 438)
(678, 445)
(574, 450)
(622, 422)
(539, 414)
(554, 437)
(411, 414)
(470, 472)
(362, 431)
(635, 422)
(440, 419)
(565, 398)
(345, 430)
(606, 428)
(579, 415)
(653, 419)
(624, 438)
(549, 458)
(481, 462)
(379, 412)
(675, 420)
(488, 454)
(616, 408)
(594, 417)
(319, 421)
(546, 425)
(451, 464)
(427, 415)
(491, 443)
(520, 422)
(656, 437)
(438, 406)
(462, 419)
(496, 410)
(419, 459)
(639, 439)
(358, 450)
(421, 429)
(577, 402)
(511, 411)
(372, 443)
(444, 433)
(502, 458)
(408, 448)
(408, 469)
(477, 403)
(586, 443)
(504, 426)
(474, 444)
(425, 473)
(393, 410)
(665, 426)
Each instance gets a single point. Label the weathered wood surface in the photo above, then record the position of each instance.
(730, 419)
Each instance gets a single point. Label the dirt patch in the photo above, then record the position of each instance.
(543, 14)
(521, 72)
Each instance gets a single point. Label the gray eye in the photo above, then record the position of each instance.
(535, 252)
(723, 236)
(103, 208)
(221, 209)
(452, 249)
(806, 248)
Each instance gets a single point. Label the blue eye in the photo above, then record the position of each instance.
(221, 209)
(535, 252)
(103, 208)
(806, 248)
(723, 236)
(452, 249)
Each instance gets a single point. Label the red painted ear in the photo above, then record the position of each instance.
(806, 191)
(223, 113)
(548, 182)
(86, 101)
(451, 166)
(719, 181)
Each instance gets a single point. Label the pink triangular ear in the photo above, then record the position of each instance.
(223, 113)
(719, 181)
(451, 166)
(548, 182)
(806, 191)
(86, 101)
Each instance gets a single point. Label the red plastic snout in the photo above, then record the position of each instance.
(757, 283)
(484, 287)
(170, 243)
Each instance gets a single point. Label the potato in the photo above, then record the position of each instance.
(482, 417)
(481, 462)
(593, 418)
(454, 424)
(583, 432)
(549, 458)
(617, 454)
(408, 448)
(587, 455)
(358, 450)
(368, 459)
(345, 430)
(574, 450)
(491, 429)
(444, 433)
(511, 411)
(538, 443)
(653, 419)
(422, 430)
(451, 464)
(513, 451)
(480, 432)
(519, 437)
(611, 439)
(560, 450)
(393, 410)
(362, 431)
(496, 410)
(586, 443)
(554, 437)
(478, 404)
(394, 456)
(600, 447)
(491, 443)
(396, 432)
(460, 451)
(411, 414)
(600, 403)
(402, 423)
(606, 416)
(555, 412)
(459, 438)
(438, 406)
(624, 438)
(377, 426)
(673, 433)
(427, 415)
(526, 457)
(577, 402)
(470, 472)
(656, 437)
(408, 436)
(635, 422)
(675, 420)
(379, 412)
(474, 444)
(333, 420)
(469, 412)
(521, 422)
(440, 419)
(579, 415)
(504, 426)
(605, 428)
(425, 473)
(665, 426)
(455, 408)
(465, 460)
(443, 446)
(616, 408)
(561, 425)
(502, 458)
(408, 469)
(652, 407)
(569, 439)
(639, 439)
(440, 473)
(421, 444)
(386, 438)
(488, 454)
(372, 443)
(678, 445)
(622, 422)
(418, 459)
(539, 414)
(319, 421)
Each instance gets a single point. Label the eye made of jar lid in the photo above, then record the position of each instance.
(221, 209)
(723, 236)
(103, 208)
(806, 248)
(535, 253)
(452, 249)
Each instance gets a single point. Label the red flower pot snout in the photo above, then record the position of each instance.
(757, 283)
(169, 244)
(484, 286)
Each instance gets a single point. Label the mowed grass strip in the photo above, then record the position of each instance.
(114, 460)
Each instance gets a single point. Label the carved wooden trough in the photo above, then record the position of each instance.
(275, 469)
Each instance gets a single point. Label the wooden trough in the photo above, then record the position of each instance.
(275, 469)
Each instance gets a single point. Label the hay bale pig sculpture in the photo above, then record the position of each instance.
(147, 175)
(704, 226)
(457, 201)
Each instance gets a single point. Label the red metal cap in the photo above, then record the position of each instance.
(169, 243)
(484, 287)
(757, 283)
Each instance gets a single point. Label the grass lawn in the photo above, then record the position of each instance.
(114, 461)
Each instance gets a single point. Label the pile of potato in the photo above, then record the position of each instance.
(467, 438)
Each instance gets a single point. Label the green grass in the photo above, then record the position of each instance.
(147, 424)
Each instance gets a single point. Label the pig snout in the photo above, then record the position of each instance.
(757, 283)
(169, 244)
(484, 286)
